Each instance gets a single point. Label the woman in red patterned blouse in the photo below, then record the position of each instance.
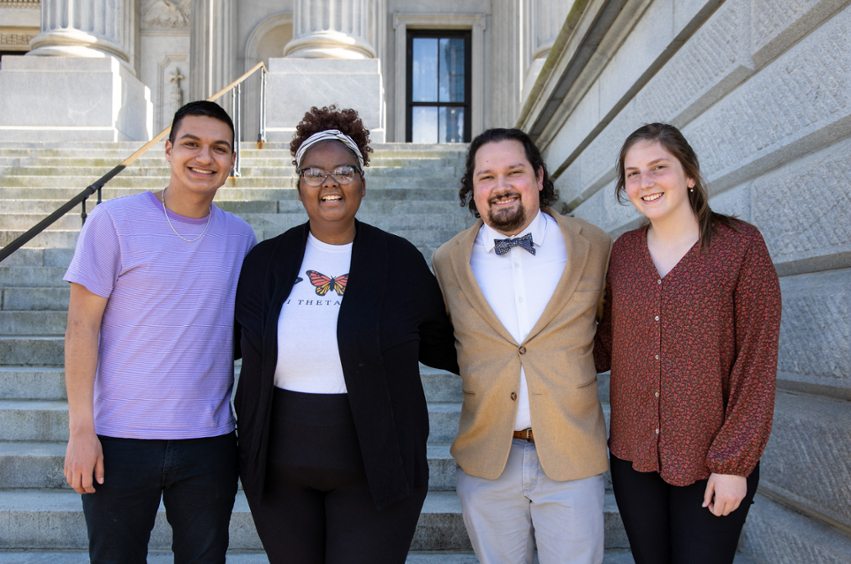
(690, 334)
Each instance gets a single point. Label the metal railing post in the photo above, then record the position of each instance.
(262, 134)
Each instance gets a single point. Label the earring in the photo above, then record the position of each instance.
(691, 190)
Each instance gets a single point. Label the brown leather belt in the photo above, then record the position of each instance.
(525, 434)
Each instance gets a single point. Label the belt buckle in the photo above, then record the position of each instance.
(528, 435)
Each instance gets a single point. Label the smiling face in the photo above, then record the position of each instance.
(506, 188)
(331, 206)
(201, 157)
(656, 183)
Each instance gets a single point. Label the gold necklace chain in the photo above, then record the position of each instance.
(209, 216)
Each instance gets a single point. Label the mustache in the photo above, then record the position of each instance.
(508, 194)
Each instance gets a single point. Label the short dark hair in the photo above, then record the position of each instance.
(201, 108)
(548, 196)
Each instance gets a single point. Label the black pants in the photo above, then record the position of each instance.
(667, 524)
(317, 507)
(196, 479)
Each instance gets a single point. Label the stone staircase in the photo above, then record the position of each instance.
(411, 191)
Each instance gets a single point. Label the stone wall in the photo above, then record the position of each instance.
(762, 90)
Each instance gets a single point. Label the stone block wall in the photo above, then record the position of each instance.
(762, 90)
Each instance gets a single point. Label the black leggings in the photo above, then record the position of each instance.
(667, 524)
(317, 507)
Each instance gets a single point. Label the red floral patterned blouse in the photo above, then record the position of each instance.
(693, 355)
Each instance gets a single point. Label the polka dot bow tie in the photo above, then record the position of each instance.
(502, 246)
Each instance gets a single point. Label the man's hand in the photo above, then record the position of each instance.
(84, 455)
(84, 461)
(724, 493)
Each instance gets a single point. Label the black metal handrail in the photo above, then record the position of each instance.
(81, 198)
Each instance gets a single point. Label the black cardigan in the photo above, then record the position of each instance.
(392, 315)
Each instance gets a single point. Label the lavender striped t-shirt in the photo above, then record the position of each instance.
(165, 361)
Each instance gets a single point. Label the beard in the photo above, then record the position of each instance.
(509, 220)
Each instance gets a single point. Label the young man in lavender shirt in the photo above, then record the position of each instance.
(149, 354)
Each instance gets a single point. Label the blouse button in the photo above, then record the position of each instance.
(657, 431)
(658, 281)
(657, 357)
(657, 318)
(522, 350)
(513, 396)
(657, 394)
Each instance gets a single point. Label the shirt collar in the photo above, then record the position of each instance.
(538, 228)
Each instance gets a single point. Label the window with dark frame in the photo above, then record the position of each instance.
(438, 86)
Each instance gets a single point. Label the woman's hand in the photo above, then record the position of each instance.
(724, 493)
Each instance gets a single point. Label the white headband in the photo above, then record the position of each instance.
(329, 134)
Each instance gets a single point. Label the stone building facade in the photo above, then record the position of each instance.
(762, 89)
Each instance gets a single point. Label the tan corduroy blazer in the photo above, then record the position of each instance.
(567, 418)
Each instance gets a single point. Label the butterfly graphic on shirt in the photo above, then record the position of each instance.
(324, 284)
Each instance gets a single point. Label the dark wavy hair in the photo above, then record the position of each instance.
(329, 117)
(673, 141)
(201, 108)
(548, 196)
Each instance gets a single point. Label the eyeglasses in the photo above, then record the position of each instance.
(342, 175)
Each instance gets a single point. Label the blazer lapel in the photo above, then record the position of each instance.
(577, 247)
(459, 258)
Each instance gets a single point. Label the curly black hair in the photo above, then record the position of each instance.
(329, 117)
(548, 196)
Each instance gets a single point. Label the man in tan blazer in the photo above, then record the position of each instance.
(522, 287)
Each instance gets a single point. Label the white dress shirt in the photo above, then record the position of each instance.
(519, 285)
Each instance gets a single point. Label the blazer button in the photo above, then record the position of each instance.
(522, 350)
(513, 396)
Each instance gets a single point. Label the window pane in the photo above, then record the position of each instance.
(451, 125)
(451, 70)
(424, 129)
(425, 69)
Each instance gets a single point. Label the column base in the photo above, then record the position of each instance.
(74, 99)
(295, 85)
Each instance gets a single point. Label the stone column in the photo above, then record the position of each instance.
(86, 28)
(333, 29)
(212, 51)
(546, 18)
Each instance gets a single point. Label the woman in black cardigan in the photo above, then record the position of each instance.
(332, 418)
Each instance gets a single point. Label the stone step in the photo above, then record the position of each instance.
(159, 166)
(38, 209)
(32, 383)
(47, 420)
(53, 519)
(68, 239)
(34, 276)
(297, 215)
(32, 351)
(425, 189)
(42, 323)
(35, 299)
(38, 464)
(75, 184)
(39, 256)
(256, 557)
(33, 420)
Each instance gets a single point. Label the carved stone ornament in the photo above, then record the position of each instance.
(173, 14)
(16, 39)
(31, 4)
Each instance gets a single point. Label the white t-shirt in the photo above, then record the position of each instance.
(308, 356)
